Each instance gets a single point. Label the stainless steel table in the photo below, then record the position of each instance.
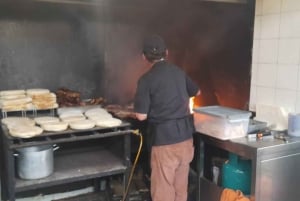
(275, 166)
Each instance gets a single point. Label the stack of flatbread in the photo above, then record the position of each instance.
(15, 100)
(42, 98)
(76, 119)
(82, 124)
(49, 123)
(97, 113)
(22, 127)
(102, 118)
(71, 115)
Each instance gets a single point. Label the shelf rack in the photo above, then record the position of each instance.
(68, 166)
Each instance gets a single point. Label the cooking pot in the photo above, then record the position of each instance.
(35, 162)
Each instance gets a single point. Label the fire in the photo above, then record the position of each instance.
(191, 104)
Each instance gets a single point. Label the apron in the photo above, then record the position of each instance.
(169, 131)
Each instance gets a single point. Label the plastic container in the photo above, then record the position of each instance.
(221, 122)
(256, 126)
(294, 125)
(236, 174)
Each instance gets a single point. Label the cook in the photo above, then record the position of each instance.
(162, 97)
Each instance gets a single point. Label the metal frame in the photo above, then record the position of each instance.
(271, 159)
(9, 182)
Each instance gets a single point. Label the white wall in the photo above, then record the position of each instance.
(276, 54)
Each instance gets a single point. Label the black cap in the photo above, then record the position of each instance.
(154, 44)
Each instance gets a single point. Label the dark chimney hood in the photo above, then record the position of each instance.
(226, 1)
(98, 2)
(78, 2)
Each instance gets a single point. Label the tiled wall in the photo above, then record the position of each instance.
(276, 55)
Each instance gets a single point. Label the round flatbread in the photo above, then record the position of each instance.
(75, 113)
(16, 101)
(18, 107)
(46, 119)
(9, 97)
(95, 111)
(69, 109)
(25, 131)
(82, 124)
(14, 121)
(100, 116)
(45, 106)
(12, 92)
(111, 122)
(55, 126)
(32, 92)
(45, 96)
(97, 118)
(73, 118)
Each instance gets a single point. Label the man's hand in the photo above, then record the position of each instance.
(141, 116)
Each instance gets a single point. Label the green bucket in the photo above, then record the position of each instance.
(236, 174)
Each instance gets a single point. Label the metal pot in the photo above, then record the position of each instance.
(35, 162)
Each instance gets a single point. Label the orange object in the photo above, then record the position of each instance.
(233, 195)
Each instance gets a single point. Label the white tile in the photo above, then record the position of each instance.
(296, 23)
(298, 87)
(290, 25)
(290, 5)
(271, 6)
(298, 102)
(289, 51)
(266, 75)
(287, 77)
(257, 27)
(252, 101)
(285, 25)
(258, 7)
(268, 51)
(286, 98)
(255, 51)
(254, 70)
(265, 95)
(270, 26)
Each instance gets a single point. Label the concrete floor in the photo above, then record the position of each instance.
(140, 175)
(57, 196)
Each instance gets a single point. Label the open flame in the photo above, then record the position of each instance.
(191, 104)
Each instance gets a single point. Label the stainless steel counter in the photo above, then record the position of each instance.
(275, 166)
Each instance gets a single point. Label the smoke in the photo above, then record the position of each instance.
(99, 47)
(204, 39)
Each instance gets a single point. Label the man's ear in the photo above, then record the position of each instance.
(144, 57)
(167, 52)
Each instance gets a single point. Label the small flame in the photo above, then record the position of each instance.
(191, 104)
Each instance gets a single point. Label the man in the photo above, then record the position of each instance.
(162, 97)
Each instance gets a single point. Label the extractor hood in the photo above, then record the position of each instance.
(97, 2)
(226, 1)
(79, 2)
